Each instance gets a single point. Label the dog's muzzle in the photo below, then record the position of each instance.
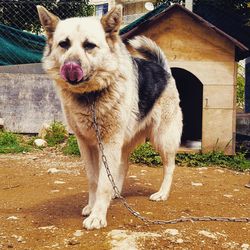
(72, 72)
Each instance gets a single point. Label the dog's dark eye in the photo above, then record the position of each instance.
(88, 45)
(64, 44)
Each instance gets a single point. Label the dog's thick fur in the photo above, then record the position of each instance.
(135, 98)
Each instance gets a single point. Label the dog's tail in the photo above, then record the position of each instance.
(150, 51)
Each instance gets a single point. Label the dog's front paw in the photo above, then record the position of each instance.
(95, 222)
(86, 211)
(159, 196)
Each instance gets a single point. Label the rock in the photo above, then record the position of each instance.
(53, 171)
(78, 233)
(62, 171)
(73, 242)
(18, 238)
(12, 218)
(245, 246)
(55, 191)
(40, 143)
(48, 228)
(208, 234)
(172, 232)
(179, 241)
(219, 170)
(228, 195)
(132, 176)
(124, 239)
(59, 182)
(196, 184)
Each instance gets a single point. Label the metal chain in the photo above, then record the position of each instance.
(132, 210)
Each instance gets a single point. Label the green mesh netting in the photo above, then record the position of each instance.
(19, 47)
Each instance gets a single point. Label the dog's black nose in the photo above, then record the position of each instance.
(72, 72)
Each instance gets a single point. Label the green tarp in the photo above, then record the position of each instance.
(19, 47)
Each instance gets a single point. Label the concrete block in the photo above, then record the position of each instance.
(27, 101)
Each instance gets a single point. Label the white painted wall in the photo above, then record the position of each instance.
(189, 4)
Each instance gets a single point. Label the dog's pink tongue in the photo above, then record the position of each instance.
(72, 72)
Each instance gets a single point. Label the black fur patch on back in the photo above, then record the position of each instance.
(152, 80)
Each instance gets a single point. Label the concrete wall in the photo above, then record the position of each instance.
(32, 68)
(27, 100)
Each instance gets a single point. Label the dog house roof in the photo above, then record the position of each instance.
(164, 10)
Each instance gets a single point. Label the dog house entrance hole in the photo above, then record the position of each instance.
(191, 94)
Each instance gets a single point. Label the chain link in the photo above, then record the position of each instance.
(132, 210)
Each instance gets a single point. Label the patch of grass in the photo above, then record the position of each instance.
(71, 147)
(145, 154)
(56, 134)
(236, 162)
(12, 143)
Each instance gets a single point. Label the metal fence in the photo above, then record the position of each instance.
(21, 34)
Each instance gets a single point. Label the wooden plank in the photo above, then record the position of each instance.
(219, 96)
(217, 130)
(183, 38)
(234, 105)
(214, 73)
(188, 150)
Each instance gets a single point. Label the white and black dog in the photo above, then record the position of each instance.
(135, 98)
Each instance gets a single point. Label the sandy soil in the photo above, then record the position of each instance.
(41, 210)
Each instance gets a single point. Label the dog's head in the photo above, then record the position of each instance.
(81, 52)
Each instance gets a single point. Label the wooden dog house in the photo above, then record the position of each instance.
(203, 62)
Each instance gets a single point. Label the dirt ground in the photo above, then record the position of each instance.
(42, 210)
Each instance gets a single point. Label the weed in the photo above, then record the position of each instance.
(145, 154)
(71, 147)
(56, 134)
(11, 143)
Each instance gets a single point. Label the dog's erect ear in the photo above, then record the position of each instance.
(111, 22)
(47, 19)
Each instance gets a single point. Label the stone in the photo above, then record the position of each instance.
(196, 184)
(78, 233)
(12, 218)
(171, 231)
(208, 234)
(245, 246)
(40, 143)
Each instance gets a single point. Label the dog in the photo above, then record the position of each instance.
(134, 97)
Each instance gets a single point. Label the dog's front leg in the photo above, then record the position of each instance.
(89, 155)
(97, 218)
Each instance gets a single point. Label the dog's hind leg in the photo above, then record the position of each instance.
(166, 139)
(89, 155)
(168, 169)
